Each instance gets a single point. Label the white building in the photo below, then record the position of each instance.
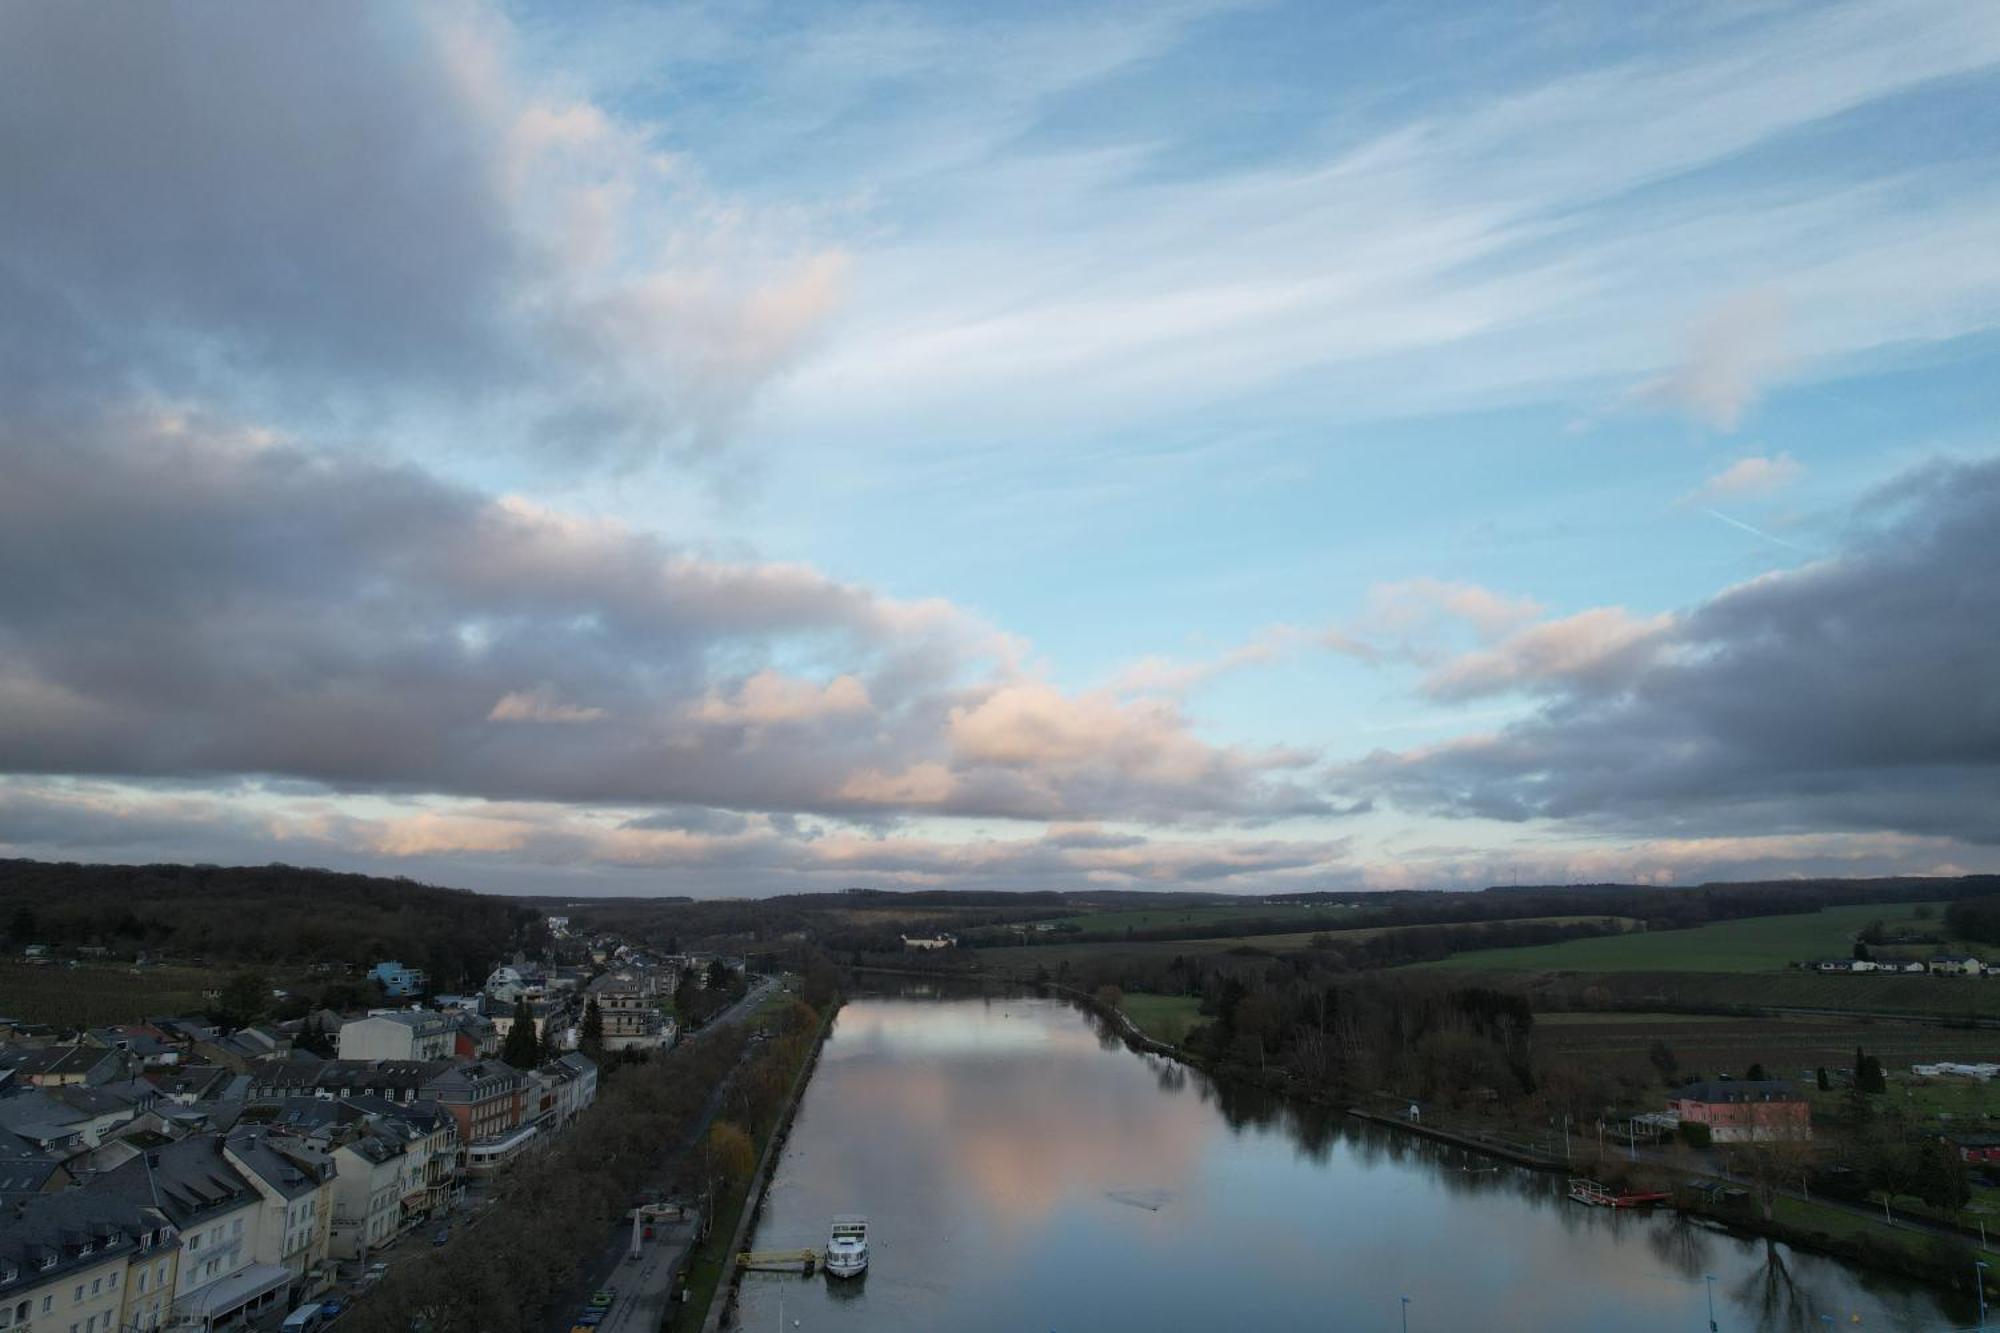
(370, 1176)
(398, 1034)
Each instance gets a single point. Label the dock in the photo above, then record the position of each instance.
(778, 1261)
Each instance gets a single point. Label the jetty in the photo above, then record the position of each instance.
(779, 1261)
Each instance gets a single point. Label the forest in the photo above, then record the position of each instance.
(265, 915)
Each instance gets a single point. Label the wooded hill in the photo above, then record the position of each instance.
(275, 914)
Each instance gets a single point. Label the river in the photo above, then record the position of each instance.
(1022, 1170)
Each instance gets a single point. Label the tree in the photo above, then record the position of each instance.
(245, 997)
(1825, 1083)
(591, 1040)
(1868, 1074)
(1664, 1060)
(22, 928)
(719, 975)
(1861, 953)
(728, 1152)
(523, 1047)
(1755, 1073)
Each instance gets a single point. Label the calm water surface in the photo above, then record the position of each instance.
(1022, 1171)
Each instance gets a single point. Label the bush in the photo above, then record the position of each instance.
(1696, 1135)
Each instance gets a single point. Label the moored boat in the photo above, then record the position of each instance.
(847, 1246)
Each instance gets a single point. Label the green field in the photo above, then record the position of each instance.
(1754, 944)
(1029, 956)
(1219, 915)
(97, 993)
(1162, 1017)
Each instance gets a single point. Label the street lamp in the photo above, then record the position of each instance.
(1710, 1279)
(1406, 1314)
(1979, 1289)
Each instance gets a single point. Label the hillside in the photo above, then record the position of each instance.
(273, 914)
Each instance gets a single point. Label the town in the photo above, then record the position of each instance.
(171, 1173)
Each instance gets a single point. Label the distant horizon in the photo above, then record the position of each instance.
(709, 450)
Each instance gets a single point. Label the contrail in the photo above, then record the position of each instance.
(1757, 532)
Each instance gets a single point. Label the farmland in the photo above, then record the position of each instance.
(1788, 1048)
(1303, 916)
(98, 993)
(1162, 1017)
(1753, 944)
(1030, 956)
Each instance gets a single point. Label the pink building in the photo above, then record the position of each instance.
(1743, 1110)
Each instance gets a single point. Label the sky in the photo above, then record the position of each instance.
(1249, 447)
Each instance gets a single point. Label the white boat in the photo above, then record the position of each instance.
(847, 1246)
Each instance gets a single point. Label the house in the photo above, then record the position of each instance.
(632, 1018)
(217, 1279)
(1956, 965)
(1836, 965)
(929, 941)
(473, 1035)
(84, 1259)
(1744, 1110)
(398, 981)
(485, 1097)
(1980, 1149)
(398, 1034)
(58, 1066)
(368, 1184)
(550, 1014)
(566, 1086)
(295, 1180)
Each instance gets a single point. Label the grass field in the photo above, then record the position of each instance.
(1029, 956)
(1161, 918)
(98, 993)
(1162, 1017)
(1754, 944)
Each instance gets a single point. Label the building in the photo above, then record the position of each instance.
(1956, 965)
(485, 1097)
(565, 1088)
(398, 1034)
(1744, 1110)
(368, 1189)
(929, 941)
(296, 1182)
(398, 981)
(632, 1019)
(217, 1279)
(86, 1261)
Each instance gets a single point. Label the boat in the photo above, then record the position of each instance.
(1602, 1196)
(847, 1246)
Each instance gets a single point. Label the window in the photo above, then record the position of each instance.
(194, 1243)
(142, 1280)
(112, 1282)
(79, 1292)
(96, 1285)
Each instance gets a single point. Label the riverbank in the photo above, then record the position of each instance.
(712, 1270)
(1930, 1251)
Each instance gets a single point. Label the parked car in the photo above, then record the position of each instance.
(602, 1298)
(443, 1235)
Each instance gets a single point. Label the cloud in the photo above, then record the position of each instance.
(1590, 651)
(538, 845)
(1732, 354)
(1853, 694)
(320, 617)
(540, 705)
(1161, 675)
(377, 209)
(770, 697)
(1752, 478)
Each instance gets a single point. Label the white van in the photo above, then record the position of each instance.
(305, 1319)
